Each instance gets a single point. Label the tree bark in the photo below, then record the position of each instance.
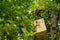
(54, 22)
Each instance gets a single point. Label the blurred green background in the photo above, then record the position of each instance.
(17, 14)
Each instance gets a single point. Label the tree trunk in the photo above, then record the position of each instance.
(54, 22)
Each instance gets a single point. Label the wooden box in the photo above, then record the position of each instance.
(41, 31)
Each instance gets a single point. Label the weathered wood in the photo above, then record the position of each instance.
(40, 25)
(41, 31)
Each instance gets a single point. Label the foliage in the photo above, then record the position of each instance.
(16, 14)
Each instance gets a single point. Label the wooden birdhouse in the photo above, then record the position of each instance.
(41, 31)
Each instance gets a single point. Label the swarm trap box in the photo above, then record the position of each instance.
(41, 31)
